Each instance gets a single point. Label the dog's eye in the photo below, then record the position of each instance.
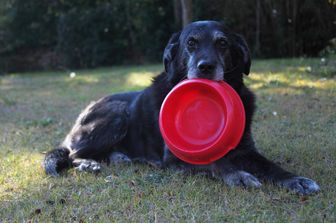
(222, 43)
(191, 42)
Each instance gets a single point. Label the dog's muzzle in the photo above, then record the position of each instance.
(207, 69)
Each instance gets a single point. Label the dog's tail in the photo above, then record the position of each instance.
(57, 160)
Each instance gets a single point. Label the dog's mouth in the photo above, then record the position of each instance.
(202, 77)
(216, 76)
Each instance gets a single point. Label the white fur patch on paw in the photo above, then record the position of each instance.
(241, 178)
(86, 165)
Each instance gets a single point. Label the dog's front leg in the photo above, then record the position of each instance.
(252, 161)
(222, 169)
(231, 175)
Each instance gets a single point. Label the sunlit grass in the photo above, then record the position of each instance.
(27, 171)
(275, 80)
(294, 126)
(141, 79)
(89, 79)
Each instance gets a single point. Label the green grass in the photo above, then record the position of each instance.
(295, 126)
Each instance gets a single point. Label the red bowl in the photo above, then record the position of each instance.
(202, 120)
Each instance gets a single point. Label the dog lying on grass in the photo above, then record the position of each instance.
(124, 127)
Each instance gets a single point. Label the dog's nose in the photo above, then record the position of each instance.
(206, 67)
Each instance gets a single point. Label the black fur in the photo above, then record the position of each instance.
(126, 125)
(56, 160)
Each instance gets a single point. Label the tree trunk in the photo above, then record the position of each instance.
(294, 28)
(186, 12)
(178, 13)
(257, 32)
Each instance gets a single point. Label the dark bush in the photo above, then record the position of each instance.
(287, 27)
(52, 34)
(114, 33)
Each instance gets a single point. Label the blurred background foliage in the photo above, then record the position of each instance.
(62, 34)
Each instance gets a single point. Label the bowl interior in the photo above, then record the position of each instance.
(194, 116)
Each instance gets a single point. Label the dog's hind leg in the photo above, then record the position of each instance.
(87, 165)
(56, 161)
(98, 129)
(118, 157)
(96, 132)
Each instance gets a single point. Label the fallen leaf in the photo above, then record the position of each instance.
(304, 198)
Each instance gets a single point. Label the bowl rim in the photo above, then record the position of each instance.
(223, 130)
(213, 146)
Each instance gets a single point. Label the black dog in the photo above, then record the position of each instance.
(124, 127)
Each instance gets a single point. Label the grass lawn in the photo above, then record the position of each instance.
(295, 125)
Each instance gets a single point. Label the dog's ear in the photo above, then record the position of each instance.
(171, 50)
(243, 52)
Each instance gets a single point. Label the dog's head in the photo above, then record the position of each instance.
(206, 49)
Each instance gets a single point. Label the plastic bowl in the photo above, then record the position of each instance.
(202, 120)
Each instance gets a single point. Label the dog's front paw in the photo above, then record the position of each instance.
(300, 185)
(241, 178)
